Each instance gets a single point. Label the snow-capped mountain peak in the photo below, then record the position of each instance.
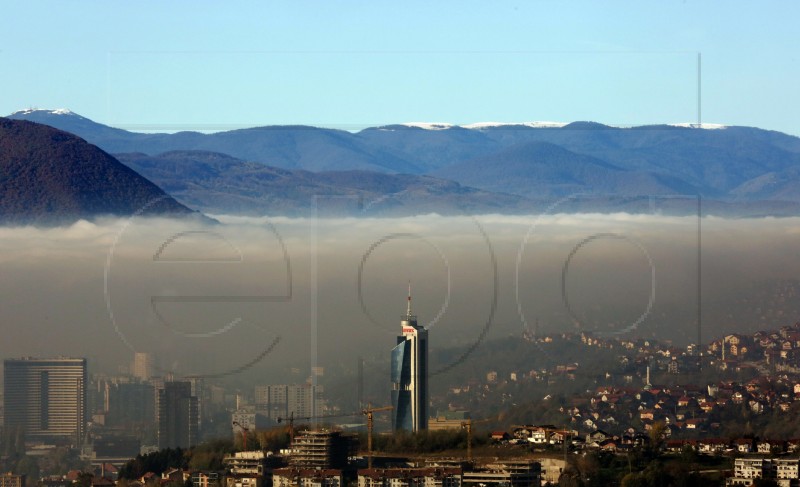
(57, 111)
(535, 124)
(704, 125)
(428, 125)
(482, 125)
(538, 124)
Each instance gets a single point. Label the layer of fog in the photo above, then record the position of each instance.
(216, 299)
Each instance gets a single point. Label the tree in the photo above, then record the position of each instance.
(588, 466)
(60, 460)
(209, 455)
(156, 462)
(272, 439)
(688, 454)
(657, 435)
(633, 480)
(570, 477)
(84, 479)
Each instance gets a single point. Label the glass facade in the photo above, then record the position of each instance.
(401, 379)
(409, 371)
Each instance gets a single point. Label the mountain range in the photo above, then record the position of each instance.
(218, 183)
(48, 176)
(426, 168)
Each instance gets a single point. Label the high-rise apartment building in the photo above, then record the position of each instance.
(142, 367)
(410, 375)
(129, 405)
(280, 401)
(177, 415)
(46, 398)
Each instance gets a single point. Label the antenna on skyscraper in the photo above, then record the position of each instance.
(408, 311)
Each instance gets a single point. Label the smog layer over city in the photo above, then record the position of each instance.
(339, 285)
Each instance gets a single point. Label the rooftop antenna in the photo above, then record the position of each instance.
(408, 310)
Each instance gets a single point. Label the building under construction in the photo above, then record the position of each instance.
(520, 473)
(322, 449)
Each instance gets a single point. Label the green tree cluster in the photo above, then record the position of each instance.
(660, 474)
(156, 462)
(426, 441)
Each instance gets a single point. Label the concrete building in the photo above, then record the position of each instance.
(746, 470)
(787, 469)
(448, 420)
(552, 468)
(282, 400)
(309, 477)
(410, 375)
(11, 480)
(244, 481)
(322, 449)
(46, 398)
(206, 478)
(246, 419)
(247, 469)
(410, 477)
(177, 415)
(143, 366)
(752, 468)
(784, 471)
(246, 463)
(129, 406)
(507, 474)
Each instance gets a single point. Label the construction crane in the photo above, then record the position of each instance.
(467, 425)
(245, 430)
(290, 420)
(368, 411)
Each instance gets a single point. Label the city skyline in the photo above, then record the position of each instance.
(597, 204)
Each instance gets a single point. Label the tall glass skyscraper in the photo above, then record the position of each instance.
(410, 375)
(46, 398)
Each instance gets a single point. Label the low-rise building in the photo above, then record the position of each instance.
(752, 468)
(247, 469)
(784, 471)
(551, 469)
(246, 462)
(410, 477)
(12, 480)
(506, 474)
(306, 477)
(448, 420)
(787, 468)
(206, 478)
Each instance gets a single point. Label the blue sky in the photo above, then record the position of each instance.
(216, 65)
